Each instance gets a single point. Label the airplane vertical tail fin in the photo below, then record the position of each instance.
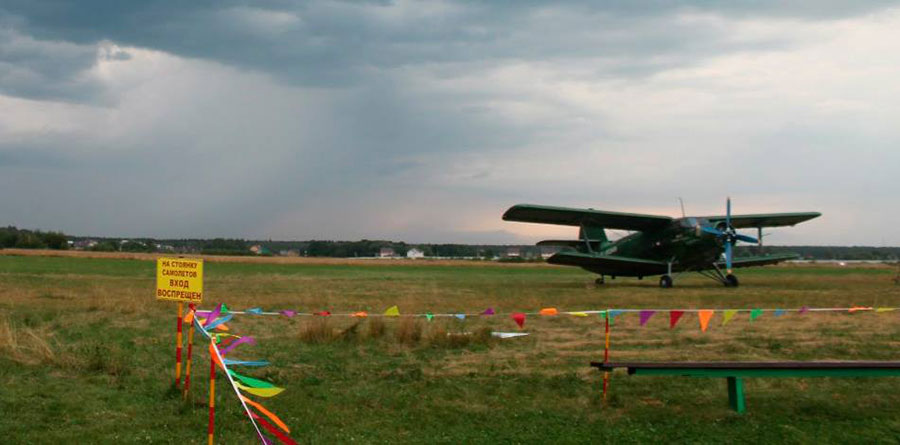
(595, 235)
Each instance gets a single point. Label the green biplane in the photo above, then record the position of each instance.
(659, 245)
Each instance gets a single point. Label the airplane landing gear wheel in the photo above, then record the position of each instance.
(731, 281)
(600, 281)
(665, 281)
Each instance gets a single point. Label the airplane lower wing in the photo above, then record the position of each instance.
(762, 260)
(566, 242)
(610, 264)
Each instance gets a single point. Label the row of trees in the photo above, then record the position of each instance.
(32, 239)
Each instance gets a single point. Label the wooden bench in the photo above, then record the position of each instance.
(735, 371)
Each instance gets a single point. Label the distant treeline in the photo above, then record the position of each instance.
(851, 253)
(11, 237)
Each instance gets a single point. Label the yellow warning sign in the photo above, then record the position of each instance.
(179, 279)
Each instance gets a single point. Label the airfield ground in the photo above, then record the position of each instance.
(86, 354)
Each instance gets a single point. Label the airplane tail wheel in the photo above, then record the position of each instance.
(665, 281)
(731, 281)
(599, 281)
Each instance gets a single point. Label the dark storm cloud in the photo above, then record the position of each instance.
(337, 43)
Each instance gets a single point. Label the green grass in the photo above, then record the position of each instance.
(87, 355)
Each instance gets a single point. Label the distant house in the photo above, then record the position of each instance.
(513, 252)
(414, 253)
(260, 250)
(289, 252)
(386, 252)
(548, 251)
(85, 244)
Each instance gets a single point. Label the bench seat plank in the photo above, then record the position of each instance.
(758, 369)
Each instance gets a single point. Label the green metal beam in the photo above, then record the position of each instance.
(762, 372)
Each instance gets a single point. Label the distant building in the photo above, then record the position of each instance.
(289, 252)
(512, 252)
(386, 252)
(415, 253)
(260, 250)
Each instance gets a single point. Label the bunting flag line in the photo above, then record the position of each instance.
(216, 318)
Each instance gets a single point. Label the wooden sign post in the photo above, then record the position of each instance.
(181, 280)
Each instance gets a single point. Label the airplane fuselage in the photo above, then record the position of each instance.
(682, 243)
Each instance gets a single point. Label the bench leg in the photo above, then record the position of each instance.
(736, 394)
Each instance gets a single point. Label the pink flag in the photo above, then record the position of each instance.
(488, 311)
(645, 315)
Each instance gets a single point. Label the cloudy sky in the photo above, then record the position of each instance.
(424, 121)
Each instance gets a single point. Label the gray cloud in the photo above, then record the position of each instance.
(424, 121)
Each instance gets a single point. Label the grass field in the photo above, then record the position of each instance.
(86, 355)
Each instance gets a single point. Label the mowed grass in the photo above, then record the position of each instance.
(86, 355)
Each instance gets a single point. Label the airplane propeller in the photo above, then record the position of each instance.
(729, 236)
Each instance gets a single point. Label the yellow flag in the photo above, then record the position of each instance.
(578, 314)
(885, 309)
(705, 315)
(392, 311)
(262, 392)
(729, 314)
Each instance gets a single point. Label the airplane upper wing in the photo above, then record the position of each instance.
(760, 260)
(766, 219)
(577, 217)
(610, 264)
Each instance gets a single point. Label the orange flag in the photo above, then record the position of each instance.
(549, 311)
(705, 315)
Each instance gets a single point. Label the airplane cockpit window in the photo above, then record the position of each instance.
(689, 222)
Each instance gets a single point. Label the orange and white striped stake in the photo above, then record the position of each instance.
(190, 348)
(212, 394)
(178, 342)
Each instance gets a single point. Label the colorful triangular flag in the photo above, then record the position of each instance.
(549, 311)
(674, 316)
(392, 311)
(488, 311)
(645, 316)
(429, 316)
(705, 315)
(519, 318)
(779, 312)
(728, 315)
(755, 313)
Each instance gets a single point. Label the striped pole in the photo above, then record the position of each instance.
(606, 356)
(190, 348)
(212, 395)
(178, 342)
